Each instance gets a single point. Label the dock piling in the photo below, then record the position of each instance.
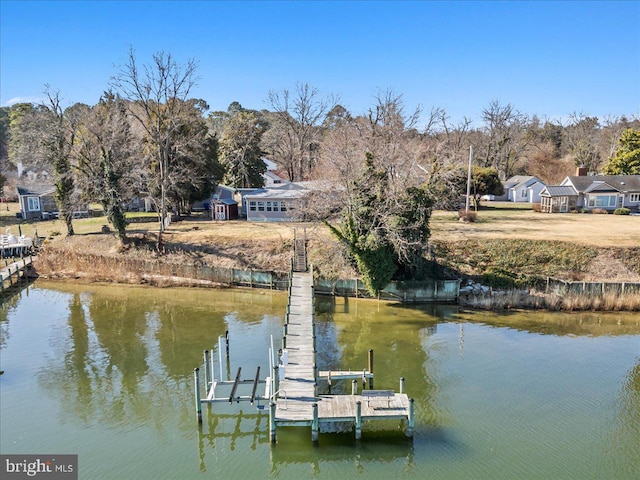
(207, 367)
(411, 424)
(401, 384)
(315, 425)
(196, 379)
(272, 421)
(358, 420)
(371, 369)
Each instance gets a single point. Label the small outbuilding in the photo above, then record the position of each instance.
(225, 209)
(37, 202)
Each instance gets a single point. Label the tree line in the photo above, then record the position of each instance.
(378, 173)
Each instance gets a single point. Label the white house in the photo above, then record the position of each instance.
(523, 188)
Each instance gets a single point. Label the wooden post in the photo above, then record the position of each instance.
(358, 420)
(315, 424)
(329, 381)
(315, 372)
(226, 337)
(411, 418)
(196, 378)
(354, 387)
(220, 356)
(401, 384)
(371, 369)
(272, 421)
(207, 374)
(276, 379)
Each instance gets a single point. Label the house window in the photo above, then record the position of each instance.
(283, 207)
(634, 197)
(524, 194)
(252, 206)
(261, 206)
(602, 200)
(33, 204)
(268, 206)
(276, 206)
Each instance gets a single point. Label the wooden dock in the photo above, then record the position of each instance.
(296, 402)
(292, 389)
(12, 272)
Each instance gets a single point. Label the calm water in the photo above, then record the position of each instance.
(105, 372)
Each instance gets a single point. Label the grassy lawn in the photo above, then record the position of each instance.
(498, 221)
(494, 221)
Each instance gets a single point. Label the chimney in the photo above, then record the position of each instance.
(582, 171)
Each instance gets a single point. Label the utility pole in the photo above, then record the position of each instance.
(469, 178)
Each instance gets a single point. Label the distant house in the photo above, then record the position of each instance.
(522, 188)
(272, 177)
(37, 201)
(588, 192)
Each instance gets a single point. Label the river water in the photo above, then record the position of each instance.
(106, 372)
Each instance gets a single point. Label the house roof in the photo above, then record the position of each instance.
(558, 191)
(600, 187)
(521, 180)
(226, 201)
(277, 193)
(621, 183)
(37, 190)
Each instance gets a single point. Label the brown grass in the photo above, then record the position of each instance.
(499, 222)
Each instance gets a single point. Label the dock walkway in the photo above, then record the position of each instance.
(296, 402)
(292, 390)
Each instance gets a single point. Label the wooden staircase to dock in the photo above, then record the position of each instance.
(300, 253)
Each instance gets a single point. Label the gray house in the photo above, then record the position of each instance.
(275, 204)
(37, 201)
(588, 192)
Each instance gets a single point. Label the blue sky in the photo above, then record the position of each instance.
(546, 58)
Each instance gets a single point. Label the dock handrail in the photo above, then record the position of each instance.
(285, 397)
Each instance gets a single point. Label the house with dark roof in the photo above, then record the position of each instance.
(522, 188)
(37, 201)
(588, 192)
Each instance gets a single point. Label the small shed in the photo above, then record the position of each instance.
(225, 209)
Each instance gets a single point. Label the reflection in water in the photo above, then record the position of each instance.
(519, 395)
(127, 353)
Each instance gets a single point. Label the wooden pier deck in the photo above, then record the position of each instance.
(15, 269)
(292, 390)
(298, 386)
(297, 402)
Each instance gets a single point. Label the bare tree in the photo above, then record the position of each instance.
(158, 94)
(105, 152)
(506, 138)
(446, 147)
(293, 140)
(58, 136)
